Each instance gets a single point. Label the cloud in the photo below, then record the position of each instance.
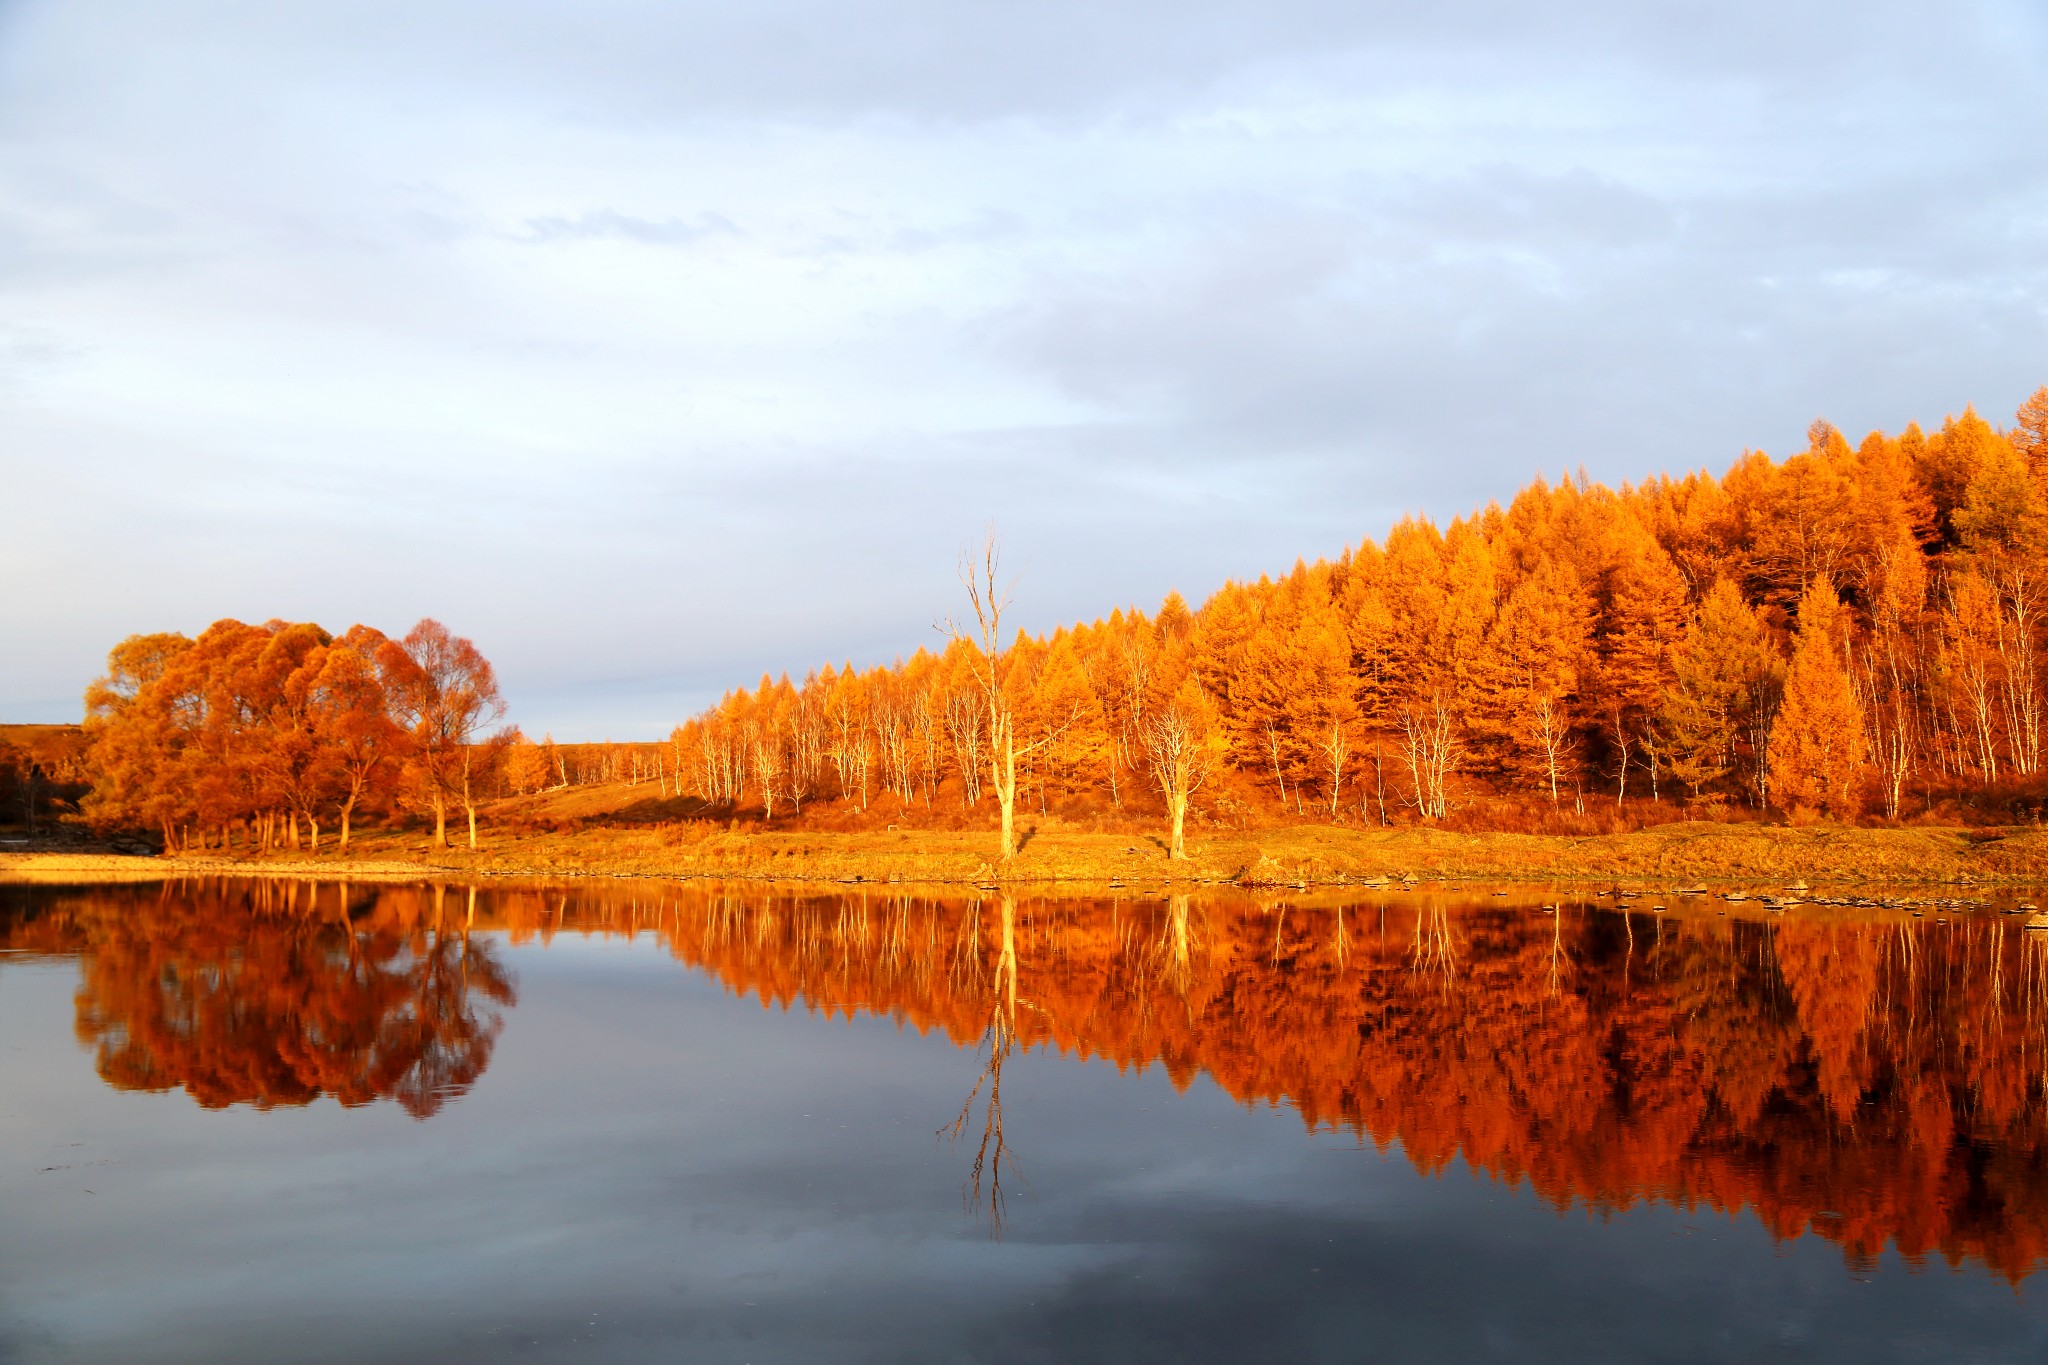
(659, 345)
(606, 223)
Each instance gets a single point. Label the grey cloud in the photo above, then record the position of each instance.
(608, 223)
(940, 59)
(1509, 322)
(1510, 204)
(1178, 291)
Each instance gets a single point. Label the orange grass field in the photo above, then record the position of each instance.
(619, 830)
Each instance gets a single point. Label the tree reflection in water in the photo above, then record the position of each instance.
(1878, 1081)
(280, 993)
(986, 1172)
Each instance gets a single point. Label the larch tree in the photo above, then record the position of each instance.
(526, 766)
(1438, 598)
(962, 713)
(1062, 713)
(849, 716)
(767, 724)
(2029, 436)
(1888, 670)
(1530, 671)
(1380, 665)
(1970, 669)
(1950, 461)
(1724, 689)
(1800, 518)
(1641, 624)
(1816, 746)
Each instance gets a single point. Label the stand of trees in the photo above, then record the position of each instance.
(1832, 634)
(43, 774)
(282, 731)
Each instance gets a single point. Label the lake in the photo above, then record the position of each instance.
(267, 1120)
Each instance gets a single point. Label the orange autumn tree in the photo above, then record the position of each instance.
(1816, 748)
(267, 731)
(1724, 692)
(1640, 623)
(1530, 674)
(1629, 640)
(447, 693)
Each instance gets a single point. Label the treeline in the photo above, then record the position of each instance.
(1834, 634)
(283, 727)
(539, 766)
(43, 773)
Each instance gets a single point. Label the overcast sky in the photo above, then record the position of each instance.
(655, 345)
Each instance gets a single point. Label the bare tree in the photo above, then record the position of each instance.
(891, 721)
(1618, 727)
(806, 746)
(2020, 595)
(991, 663)
(767, 755)
(1429, 742)
(1179, 751)
(928, 744)
(1550, 729)
(1336, 748)
(963, 724)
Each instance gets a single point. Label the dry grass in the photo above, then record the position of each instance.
(624, 831)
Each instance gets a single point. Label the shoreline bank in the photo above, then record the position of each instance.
(1292, 856)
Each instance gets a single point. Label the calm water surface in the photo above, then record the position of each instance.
(621, 1122)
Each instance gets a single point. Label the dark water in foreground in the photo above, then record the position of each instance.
(274, 1122)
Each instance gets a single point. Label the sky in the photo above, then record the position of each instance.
(656, 345)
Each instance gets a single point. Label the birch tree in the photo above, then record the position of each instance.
(1181, 751)
(989, 663)
(449, 696)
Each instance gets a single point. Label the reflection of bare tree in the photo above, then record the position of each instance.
(1175, 949)
(963, 975)
(2034, 1001)
(1001, 1036)
(1434, 951)
(1560, 956)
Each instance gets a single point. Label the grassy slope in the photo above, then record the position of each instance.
(622, 830)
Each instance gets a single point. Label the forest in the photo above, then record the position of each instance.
(1851, 634)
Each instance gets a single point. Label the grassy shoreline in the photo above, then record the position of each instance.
(1310, 855)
